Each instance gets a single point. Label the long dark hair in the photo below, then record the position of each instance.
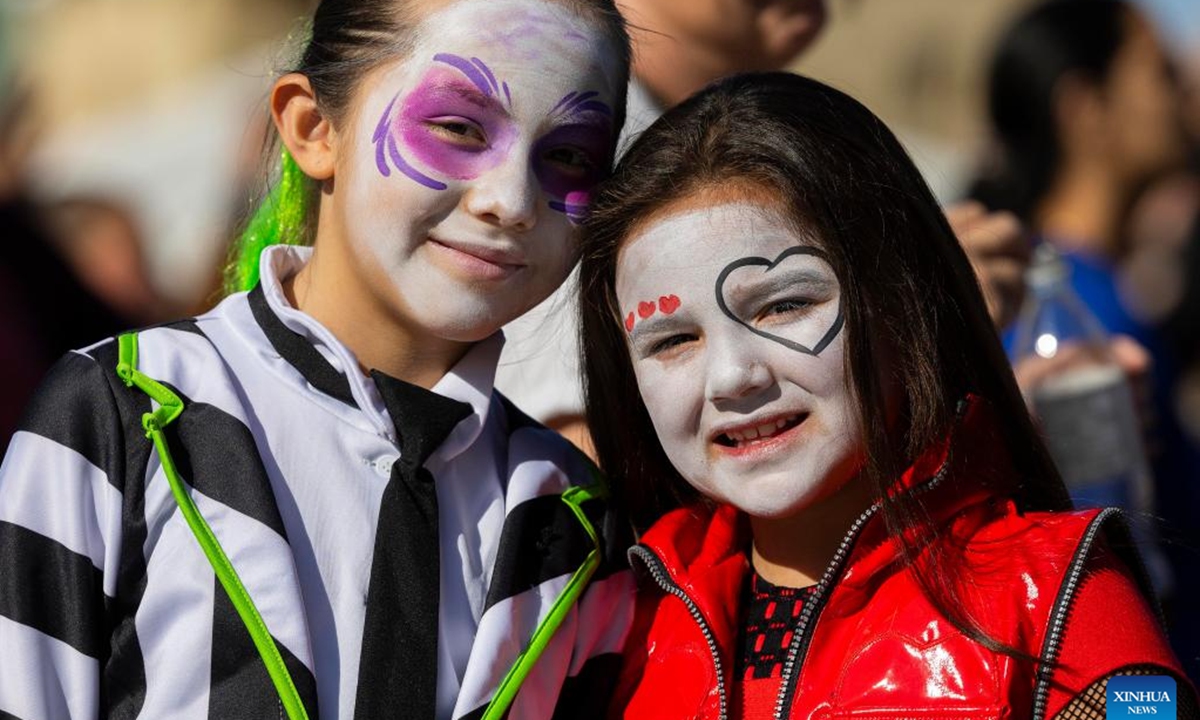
(908, 291)
(347, 40)
(1050, 41)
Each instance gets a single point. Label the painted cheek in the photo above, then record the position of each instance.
(437, 101)
(675, 402)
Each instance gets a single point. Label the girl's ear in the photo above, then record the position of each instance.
(307, 134)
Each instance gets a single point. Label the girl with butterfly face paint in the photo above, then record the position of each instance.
(846, 509)
(309, 501)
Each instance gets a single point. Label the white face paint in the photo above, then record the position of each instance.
(471, 161)
(737, 339)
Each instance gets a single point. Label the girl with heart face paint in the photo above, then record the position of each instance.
(745, 380)
(295, 503)
(846, 509)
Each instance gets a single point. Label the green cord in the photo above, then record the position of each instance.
(507, 691)
(170, 406)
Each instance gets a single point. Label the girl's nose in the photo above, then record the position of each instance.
(734, 370)
(507, 195)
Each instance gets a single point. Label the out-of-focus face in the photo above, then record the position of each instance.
(470, 162)
(1142, 104)
(736, 333)
(755, 34)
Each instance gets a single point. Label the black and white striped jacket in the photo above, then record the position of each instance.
(109, 608)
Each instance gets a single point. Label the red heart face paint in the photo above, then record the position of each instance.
(667, 305)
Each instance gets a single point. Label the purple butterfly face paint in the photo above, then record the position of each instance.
(444, 101)
(472, 160)
(458, 124)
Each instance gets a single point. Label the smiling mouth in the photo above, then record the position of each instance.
(480, 263)
(752, 435)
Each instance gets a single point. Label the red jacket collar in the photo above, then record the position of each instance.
(703, 547)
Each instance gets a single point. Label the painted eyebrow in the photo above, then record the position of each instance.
(577, 103)
(655, 324)
(485, 102)
(590, 122)
(478, 74)
(787, 279)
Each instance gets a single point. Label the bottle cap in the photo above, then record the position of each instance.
(1046, 268)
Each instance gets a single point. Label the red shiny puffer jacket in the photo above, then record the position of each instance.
(869, 645)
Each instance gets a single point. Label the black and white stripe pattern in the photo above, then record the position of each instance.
(108, 606)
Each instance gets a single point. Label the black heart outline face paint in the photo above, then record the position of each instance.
(768, 266)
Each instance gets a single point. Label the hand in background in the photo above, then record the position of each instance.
(996, 245)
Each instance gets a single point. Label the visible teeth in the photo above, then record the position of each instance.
(762, 431)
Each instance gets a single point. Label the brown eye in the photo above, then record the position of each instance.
(791, 306)
(670, 343)
(459, 131)
(571, 159)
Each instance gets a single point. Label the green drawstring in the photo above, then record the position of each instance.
(169, 408)
(507, 692)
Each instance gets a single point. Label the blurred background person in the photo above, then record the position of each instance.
(102, 245)
(1163, 265)
(121, 166)
(1086, 110)
(71, 273)
(155, 105)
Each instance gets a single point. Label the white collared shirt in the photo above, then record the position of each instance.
(470, 494)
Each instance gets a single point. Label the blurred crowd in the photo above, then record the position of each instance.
(123, 180)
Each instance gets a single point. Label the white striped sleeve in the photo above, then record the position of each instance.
(60, 524)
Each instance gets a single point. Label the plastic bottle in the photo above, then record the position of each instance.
(1084, 404)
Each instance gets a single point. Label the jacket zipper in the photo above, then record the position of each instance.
(1062, 608)
(659, 572)
(798, 648)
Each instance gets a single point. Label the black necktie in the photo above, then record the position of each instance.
(397, 675)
